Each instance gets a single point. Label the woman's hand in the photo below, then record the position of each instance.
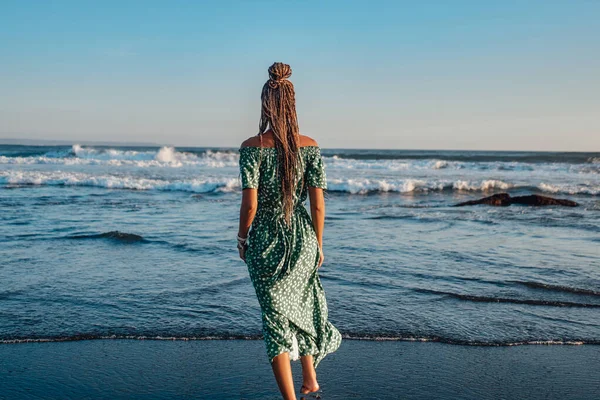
(321, 258)
(242, 251)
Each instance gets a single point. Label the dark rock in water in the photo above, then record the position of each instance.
(500, 199)
(537, 200)
(115, 235)
(504, 199)
(123, 236)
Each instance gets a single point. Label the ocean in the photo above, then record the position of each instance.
(139, 242)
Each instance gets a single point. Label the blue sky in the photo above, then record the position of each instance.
(502, 75)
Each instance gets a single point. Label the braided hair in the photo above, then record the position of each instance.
(279, 113)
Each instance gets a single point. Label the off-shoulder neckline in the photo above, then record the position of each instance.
(257, 147)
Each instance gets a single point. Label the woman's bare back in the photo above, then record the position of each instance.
(269, 141)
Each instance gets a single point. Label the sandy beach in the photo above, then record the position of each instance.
(238, 369)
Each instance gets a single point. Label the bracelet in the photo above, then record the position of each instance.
(241, 242)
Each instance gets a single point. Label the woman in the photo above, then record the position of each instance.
(283, 250)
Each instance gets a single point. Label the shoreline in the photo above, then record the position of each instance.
(235, 369)
(551, 342)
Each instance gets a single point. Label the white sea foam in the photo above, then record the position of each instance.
(228, 183)
(164, 157)
(569, 188)
(440, 164)
(171, 158)
(60, 178)
(362, 186)
(485, 185)
(391, 165)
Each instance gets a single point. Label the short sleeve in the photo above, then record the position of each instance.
(249, 168)
(315, 169)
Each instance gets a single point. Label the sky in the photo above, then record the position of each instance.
(470, 75)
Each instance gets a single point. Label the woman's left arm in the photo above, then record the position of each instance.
(247, 213)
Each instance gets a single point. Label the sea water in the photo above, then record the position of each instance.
(139, 242)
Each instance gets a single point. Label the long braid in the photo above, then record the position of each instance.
(279, 113)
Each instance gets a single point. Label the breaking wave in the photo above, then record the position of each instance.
(163, 157)
(230, 184)
(391, 161)
(366, 186)
(60, 178)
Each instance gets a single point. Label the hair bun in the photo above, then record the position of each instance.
(279, 72)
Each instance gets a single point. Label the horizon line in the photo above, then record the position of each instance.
(66, 142)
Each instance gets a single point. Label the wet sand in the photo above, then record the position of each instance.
(238, 369)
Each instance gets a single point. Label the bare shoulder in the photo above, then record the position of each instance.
(251, 141)
(254, 141)
(307, 141)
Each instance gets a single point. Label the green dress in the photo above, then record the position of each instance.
(282, 261)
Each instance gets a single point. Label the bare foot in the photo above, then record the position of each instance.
(309, 376)
(309, 387)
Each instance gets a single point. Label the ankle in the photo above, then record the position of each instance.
(309, 374)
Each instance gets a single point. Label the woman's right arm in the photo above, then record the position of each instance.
(317, 212)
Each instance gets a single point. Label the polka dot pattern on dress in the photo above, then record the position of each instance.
(282, 261)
